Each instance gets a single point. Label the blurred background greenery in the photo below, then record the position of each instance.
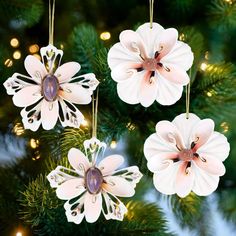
(85, 30)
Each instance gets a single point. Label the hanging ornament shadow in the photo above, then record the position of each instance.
(90, 187)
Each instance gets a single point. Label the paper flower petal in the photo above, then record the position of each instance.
(109, 164)
(78, 161)
(92, 207)
(65, 72)
(27, 96)
(35, 68)
(49, 114)
(70, 189)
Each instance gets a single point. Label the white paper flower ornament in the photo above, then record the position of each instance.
(50, 90)
(150, 64)
(185, 155)
(92, 188)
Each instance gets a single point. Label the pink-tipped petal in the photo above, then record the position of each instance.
(70, 189)
(148, 90)
(118, 55)
(155, 145)
(149, 36)
(211, 165)
(92, 207)
(169, 133)
(181, 56)
(27, 96)
(78, 161)
(75, 93)
(166, 42)
(118, 186)
(124, 71)
(128, 90)
(174, 74)
(217, 146)
(164, 180)
(66, 71)
(168, 93)
(204, 183)
(35, 68)
(133, 42)
(160, 161)
(184, 180)
(202, 132)
(49, 114)
(185, 126)
(109, 164)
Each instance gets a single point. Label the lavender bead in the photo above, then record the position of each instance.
(93, 180)
(50, 87)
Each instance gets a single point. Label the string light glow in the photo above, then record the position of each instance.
(84, 123)
(17, 55)
(34, 143)
(19, 234)
(203, 66)
(8, 62)
(105, 35)
(225, 127)
(113, 144)
(18, 129)
(33, 48)
(181, 37)
(14, 42)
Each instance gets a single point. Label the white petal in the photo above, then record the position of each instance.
(184, 180)
(31, 116)
(185, 126)
(109, 164)
(128, 90)
(149, 36)
(77, 214)
(204, 183)
(35, 68)
(66, 71)
(118, 186)
(49, 114)
(70, 189)
(124, 71)
(168, 93)
(69, 116)
(75, 93)
(78, 161)
(148, 90)
(202, 131)
(118, 54)
(155, 145)
(115, 209)
(181, 55)
(92, 207)
(27, 96)
(217, 146)
(164, 180)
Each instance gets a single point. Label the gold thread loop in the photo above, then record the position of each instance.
(188, 94)
(94, 114)
(51, 20)
(151, 4)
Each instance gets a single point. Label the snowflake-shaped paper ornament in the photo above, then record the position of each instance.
(150, 64)
(185, 155)
(92, 188)
(50, 90)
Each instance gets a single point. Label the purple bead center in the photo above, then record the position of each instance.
(50, 87)
(93, 180)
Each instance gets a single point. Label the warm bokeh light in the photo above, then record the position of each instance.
(203, 66)
(113, 144)
(34, 143)
(105, 35)
(18, 129)
(8, 62)
(33, 48)
(84, 123)
(14, 42)
(19, 234)
(209, 94)
(181, 37)
(17, 55)
(225, 127)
